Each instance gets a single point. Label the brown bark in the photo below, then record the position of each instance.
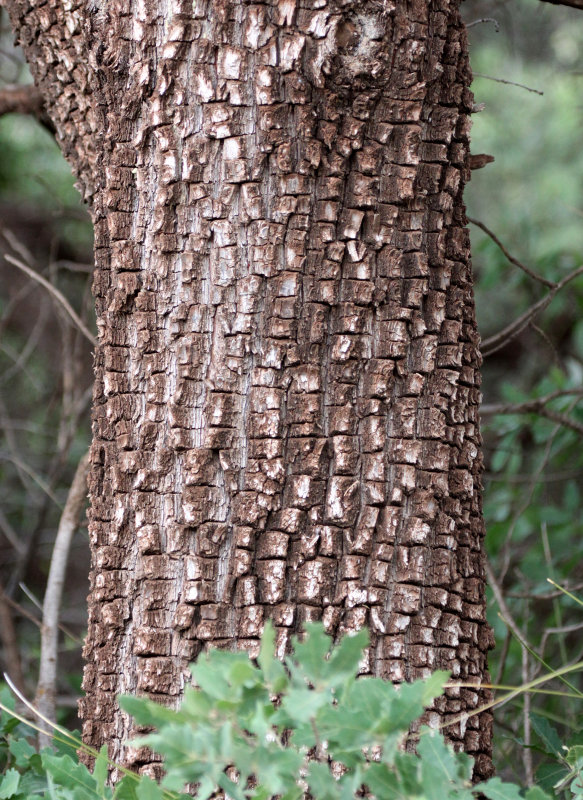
(20, 100)
(286, 404)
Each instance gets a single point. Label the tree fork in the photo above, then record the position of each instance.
(287, 376)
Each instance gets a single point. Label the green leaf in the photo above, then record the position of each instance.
(441, 768)
(576, 785)
(145, 711)
(231, 789)
(350, 783)
(243, 673)
(309, 661)
(495, 789)
(385, 782)
(68, 774)
(574, 756)
(210, 675)
(147, 789)
(260, 722)
(273, 670)
(52, 790)
(547, 734)
(126, 789)
(10, 783)
(549, 775)
(536, 793)
(575, 738)
(321, 782)
(23, 752)
(300, 705)
(101, 768)
(346, 656)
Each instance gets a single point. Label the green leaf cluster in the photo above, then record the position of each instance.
(307, 727)
(562, 771)
(264, 729)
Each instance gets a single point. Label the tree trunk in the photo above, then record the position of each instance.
(286, 400)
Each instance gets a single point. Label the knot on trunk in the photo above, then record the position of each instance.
(350, 50)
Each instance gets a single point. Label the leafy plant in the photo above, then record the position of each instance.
(267, 729)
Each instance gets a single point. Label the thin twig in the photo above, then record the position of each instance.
(56, 294)
(544, 595)
(571, 3)
(54, 473)
(30, 346)
(508, 83)
(46, 689)
(540, 470)
(562, 419)
(24, 612)
(504, 408)
(500, 339)
(499, 597)
(510, 257)
(25, 100)
(565, 475)
(509, 619)
(27, 480)
(538, 406)
(28, 470)
(10, 533)
(74, 266)
(502, 658)
(494, 22)
(547, 340)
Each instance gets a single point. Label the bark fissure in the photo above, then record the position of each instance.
(287, 380)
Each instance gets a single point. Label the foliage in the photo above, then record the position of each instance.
(531, 198)
(265, 729)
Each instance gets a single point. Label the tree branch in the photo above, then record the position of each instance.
(572, 3)
(538, 406)
(499, 340)
(56, 294)
(46, 689)
(25, 100)
(510, 257)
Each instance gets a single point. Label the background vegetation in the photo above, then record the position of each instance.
(530, 198)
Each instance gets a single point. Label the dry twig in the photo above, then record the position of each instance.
(46, 689)
(56, 294)
(500, 339)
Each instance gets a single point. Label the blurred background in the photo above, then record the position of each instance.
(526, 207)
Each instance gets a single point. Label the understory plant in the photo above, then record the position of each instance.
(264, 729)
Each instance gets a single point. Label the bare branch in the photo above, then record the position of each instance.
(22, 611)
(508, 83)
(510, 257)
(538, 406)
(529, 405)
(20, 100)
(46, 689)
(513, 627)
(494, 22)
(56, 294)
(499, 340)
(25, 469)
(25, 100)
(572, 3)
(10, 534)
